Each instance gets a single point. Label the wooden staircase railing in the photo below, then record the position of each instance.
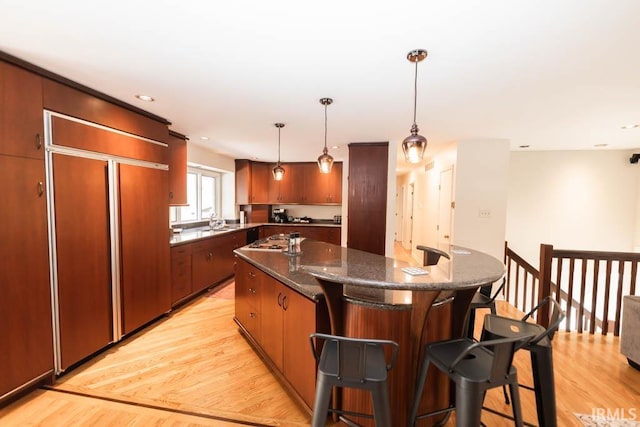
(591, 285)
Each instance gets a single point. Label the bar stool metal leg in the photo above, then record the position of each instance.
(468, 406)
(544, 385)
(381, 406)
(321, 402)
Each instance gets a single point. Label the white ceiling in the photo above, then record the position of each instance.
(546, 73)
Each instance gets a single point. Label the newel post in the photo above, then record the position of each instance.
(544, 282)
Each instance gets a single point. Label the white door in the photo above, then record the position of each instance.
(445, 208)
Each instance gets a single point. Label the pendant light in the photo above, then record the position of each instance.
(278, 171)
(414, 145)
(325, 161)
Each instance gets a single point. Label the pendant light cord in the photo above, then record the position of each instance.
(325, 127)
(415, 93)
(279, 145)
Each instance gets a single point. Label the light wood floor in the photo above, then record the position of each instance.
(193, 368)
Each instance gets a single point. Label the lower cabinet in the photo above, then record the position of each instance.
(203, 266)
(26, 353)
(198, 265)
(279, 320)
(180, 273)
(248, 298)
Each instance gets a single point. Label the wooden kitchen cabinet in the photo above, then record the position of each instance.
(280, 191)
(200, 264)
(302, 184)
(274, 302)
(180, 273)
(334, 184)
(85, 103)
(248, 299)
(83, 257)
(299, 321)
(225, 258)
(212, 259)
(21, 124)
(203, 266)
(252, 182)
(26, 351)
(321, 188)
(177, 169)
(296, 189)
(144, 219)
(286, 319)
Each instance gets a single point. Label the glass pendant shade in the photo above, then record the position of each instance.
(278, 171)
(414, 145)
(325, 161)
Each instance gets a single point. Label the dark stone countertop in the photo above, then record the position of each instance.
(204, 232)
(370, 277)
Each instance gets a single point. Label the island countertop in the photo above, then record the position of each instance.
(371, 277)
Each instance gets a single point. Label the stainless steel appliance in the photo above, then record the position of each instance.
(279, 215)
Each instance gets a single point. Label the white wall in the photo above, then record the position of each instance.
(584, 200)
(481, 195)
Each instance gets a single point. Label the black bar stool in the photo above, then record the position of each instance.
(356, 363)
(475, 367)
(541, 353)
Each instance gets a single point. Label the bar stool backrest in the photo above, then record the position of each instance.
(354, 359)
(503, 350)
(556, 316)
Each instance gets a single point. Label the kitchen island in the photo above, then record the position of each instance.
(364, 295)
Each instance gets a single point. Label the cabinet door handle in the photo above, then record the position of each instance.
(38, 141)
(170, 195)
(280, 299)
(252, 275)
(252, 291)
(252, 315)
(40, 189)
(285, 303)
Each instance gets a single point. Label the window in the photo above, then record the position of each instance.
(203, 197)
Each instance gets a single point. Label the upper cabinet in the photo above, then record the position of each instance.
(87, 105)
(177, 169)
(21, 124)
(302, 184)
(321, 188)
(252, 182)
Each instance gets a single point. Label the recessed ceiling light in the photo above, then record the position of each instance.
(601, 145)
(204, 138)
(145, 98)
(630, 126)
(525, 146)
